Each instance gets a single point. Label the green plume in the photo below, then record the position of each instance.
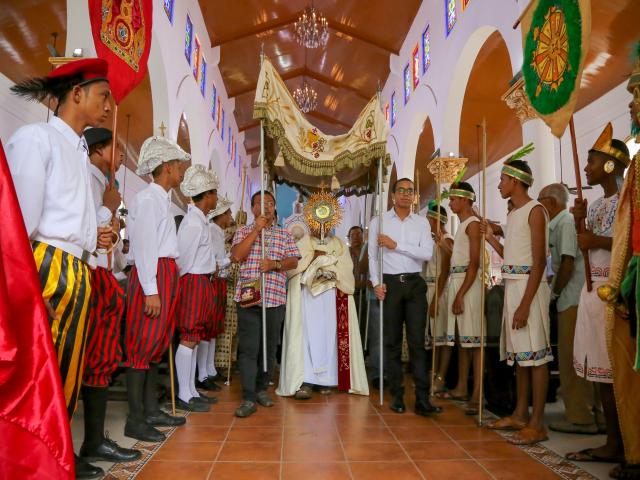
(461, 173)
(523, 152)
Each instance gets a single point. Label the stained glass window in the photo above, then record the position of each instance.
(222, 126)
(214, 99)
(450, 13)
(168, 9)
(196, 58)
(203, 76)
(394, 109)
(465, 3)
(416, 66)
(233, 153)
(229, 142)
(218, 114)
(426, 49)
(407, 83)
(188, 39)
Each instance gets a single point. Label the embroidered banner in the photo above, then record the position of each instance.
(344, 360)
(122, 36)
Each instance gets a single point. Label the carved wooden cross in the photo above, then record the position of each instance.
(162, 128)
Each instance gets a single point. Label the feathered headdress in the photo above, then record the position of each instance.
(446, 193)
(513, 171)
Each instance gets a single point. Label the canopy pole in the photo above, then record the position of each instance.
(263, 252)
(380, 278)
(436, 296)
(484, 273)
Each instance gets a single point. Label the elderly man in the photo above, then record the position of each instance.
(568, 277)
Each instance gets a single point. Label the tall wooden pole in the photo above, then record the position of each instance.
(436, 298)
(580, 226)
(380, 276)
(484, 272)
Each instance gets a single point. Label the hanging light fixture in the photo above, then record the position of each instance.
(306, 97)
(312, 29)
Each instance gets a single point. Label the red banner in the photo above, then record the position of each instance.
(344, 359)
(122, 36)
(34, 425)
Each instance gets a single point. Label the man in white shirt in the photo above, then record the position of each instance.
(407, 246)
(219, 220)
(107, 306)
(49, 168)
(196, 262)
(152, 293)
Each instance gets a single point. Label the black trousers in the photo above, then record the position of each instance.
(405, 303)
(254, 378)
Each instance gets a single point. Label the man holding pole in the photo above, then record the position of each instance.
(403, 291)
(281, 254)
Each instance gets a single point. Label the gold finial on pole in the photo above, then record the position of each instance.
(162, 128)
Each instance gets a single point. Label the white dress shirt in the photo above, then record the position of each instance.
(415, 246)
(49, 166)
(103, 214)
(152, 234)
(222, 257)
(195, 244)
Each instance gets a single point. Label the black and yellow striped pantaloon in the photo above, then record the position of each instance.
(66, 285)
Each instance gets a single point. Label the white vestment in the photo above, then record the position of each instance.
(310, 345)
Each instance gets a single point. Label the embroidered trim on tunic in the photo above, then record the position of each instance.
(459, 269)
(516, 269)
(529, 356)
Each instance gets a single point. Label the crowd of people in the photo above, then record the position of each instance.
(314, 287)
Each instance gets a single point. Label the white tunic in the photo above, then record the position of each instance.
(195, 244)
(152, 234)
(49, 165)
(439, 330)
(531, 345)
(103, 215)
(590, 356)
(468, 323)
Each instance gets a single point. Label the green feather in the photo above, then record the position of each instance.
(461, 173)
(523, 152)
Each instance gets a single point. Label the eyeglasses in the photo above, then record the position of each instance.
(404, 191)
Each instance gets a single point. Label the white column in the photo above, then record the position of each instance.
(542, 159)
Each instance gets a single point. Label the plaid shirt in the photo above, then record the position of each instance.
(279, 245)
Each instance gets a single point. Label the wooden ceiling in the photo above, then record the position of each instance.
(345, 73)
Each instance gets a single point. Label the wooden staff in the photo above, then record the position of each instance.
(484, 272)
(380, 277)
(435, 295)
(580, 226)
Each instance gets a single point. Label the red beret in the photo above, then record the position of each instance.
(91, 70)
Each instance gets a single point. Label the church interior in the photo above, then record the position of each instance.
(448, 78)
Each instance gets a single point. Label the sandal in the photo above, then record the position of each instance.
(528, 436)
(472, 409)
(626, 471)
(589, 455)
(506, 424)
(447, 395)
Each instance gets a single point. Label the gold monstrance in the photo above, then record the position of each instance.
(322, 213)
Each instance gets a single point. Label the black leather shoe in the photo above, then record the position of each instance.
(208, 384)
(425, 408)
(245, 409)
(264, 399)
(205, 399)
(109, 451)
(397, 405)
(86, 470)
(162, 419)
(191, 405)
(143, 431)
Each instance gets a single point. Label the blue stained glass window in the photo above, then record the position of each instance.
(222, 126)
(214, 94)
(407, 83)
(394, 109)
(229, 142)
(450, 14)
(168, 9)
(203, 76)
(188, 39)
(426, 49)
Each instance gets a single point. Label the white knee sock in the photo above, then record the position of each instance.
(183, 369)
(211, 355)
(203, 351)
(192, 376)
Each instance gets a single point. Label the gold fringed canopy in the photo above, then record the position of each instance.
(298, 153)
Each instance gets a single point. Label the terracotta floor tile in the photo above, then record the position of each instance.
(454, 416)
(354, 409)
(517, 469)
(452, 470)
(361, 421)
(315, 471)
(296, 451)
(317, 434)
(303, 407)
(245, 471)
(157, 470)
(188, 451)
(250, 452)
(351, 434)
(318, 420)
(406, 420)
(219, 419)
(463, 433)
(224, 406)
(255, 434)
(260, 420)
(492, 449)
(384, 471)
(434, 451)
(371, 452)
(200, 433)
(428, 433)
(347, 398)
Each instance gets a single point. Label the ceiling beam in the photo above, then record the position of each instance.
(252, 88)
(358, 35)
(276, 24)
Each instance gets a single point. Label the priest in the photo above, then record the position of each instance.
(321, 344)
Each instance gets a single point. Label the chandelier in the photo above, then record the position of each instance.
(306, 97)
(312, 29)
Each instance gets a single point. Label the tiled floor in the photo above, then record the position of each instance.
(336, 437)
